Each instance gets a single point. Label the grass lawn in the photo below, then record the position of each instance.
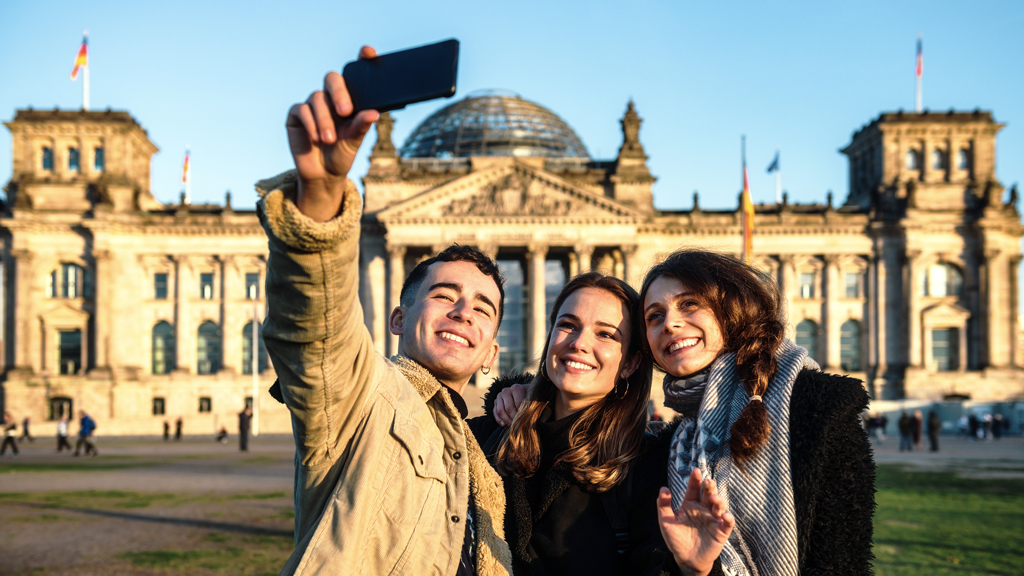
(937, 523)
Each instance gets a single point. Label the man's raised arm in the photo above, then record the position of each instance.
(314, 332)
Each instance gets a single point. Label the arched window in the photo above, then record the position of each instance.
(807, 337)
(208, 350)
(163, 348)
(247, 349)
(913, 160)
(941, 279)
(48, 159)
(69, 281)
(74, 163)
(938, 160)
(849, 346)
(963, 159)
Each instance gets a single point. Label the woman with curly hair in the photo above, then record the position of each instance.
(769, 469)
(580, 475)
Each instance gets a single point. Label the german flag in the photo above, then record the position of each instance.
(748, 218)
(82, 59)
(185, 169)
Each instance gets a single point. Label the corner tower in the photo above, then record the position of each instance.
(80, 160)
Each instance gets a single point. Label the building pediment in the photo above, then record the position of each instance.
(945, 314)
(64, 314)
(513, 191)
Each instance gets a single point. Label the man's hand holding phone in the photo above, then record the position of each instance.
(324, 136)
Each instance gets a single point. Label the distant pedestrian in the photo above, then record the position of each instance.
(10, 429)
(883, 423)
(167, 430)
(244, 422)
(62, 435)
(934, 427)
(918, 428)
(973, 426)
(997, 426)
(963, 427)
(177, 429)
(222, 435)
(86, 427)
(906, 426)
(986, 423)
(25, 434)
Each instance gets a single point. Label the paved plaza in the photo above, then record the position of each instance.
(146, 506)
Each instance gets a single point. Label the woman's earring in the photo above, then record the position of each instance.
(541, 368)
(485, 370)
(624, 392)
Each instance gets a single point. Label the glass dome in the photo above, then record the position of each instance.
(493, 124)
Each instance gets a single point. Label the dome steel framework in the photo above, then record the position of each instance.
(493, 124)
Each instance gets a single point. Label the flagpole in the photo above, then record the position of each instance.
(85, 76)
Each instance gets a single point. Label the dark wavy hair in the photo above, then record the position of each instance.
(749, 310)
(455, 253)
(608, 436)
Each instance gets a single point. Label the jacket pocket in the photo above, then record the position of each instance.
(425, 457)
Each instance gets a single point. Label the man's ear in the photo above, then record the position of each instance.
(492, 355)
(634, 363)
(396, 322)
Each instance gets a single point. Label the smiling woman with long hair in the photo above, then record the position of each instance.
(580, 476)
(769, 468)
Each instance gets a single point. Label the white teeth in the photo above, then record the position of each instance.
(685, 343)
(454, 338)
(578, 365)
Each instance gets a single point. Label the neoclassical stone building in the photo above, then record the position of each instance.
(139, 312)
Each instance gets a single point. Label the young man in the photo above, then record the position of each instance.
(388, 480)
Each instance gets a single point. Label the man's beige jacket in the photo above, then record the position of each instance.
(384, 463)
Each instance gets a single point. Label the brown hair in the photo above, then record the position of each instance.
(748, 307)
(608, 436)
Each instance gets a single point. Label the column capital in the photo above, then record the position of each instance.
(787, 259)
(537, 249)
(489, 250)
(395, 250)
(23, 255)
(992, 253)
(101, 256)
(831, 259)
(583, 249)
(629, 250)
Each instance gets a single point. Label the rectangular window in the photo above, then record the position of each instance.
(248, 401)
(48, 159)
(98, 159)
(945, 349)
(852, 284)
(74, 163)
(252, 285)
(158, 406)
(807, 285)
(160, 286)
(70, 361)
(205, 404)
(206, 285)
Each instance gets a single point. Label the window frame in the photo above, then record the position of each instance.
(74, 159)
(203, 285)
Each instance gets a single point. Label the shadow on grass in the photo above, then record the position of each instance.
(193, 522)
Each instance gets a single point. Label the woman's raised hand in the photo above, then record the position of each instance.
(697, 532)
(508, 403)
(324, 136)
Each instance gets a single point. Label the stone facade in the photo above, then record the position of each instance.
(93, 264)
(124, 306)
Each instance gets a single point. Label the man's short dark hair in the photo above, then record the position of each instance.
(455, 253)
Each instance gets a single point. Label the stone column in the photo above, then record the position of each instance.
(788, 289)
(184, 331)
(631, 268)
(876, 321)
(536, 323)
(373, 293)
(997, 311)
(1015, 359)
(583, 255)
(396, 276)
(105, 316)
(912, 291)
(235, 308)
(832, 321)
(24, 309)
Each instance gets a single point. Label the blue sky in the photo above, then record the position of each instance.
(799, 76)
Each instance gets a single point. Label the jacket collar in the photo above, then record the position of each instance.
(427, 386)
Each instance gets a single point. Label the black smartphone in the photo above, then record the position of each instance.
(391, 81)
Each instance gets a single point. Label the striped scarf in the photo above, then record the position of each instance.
(764, 541)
